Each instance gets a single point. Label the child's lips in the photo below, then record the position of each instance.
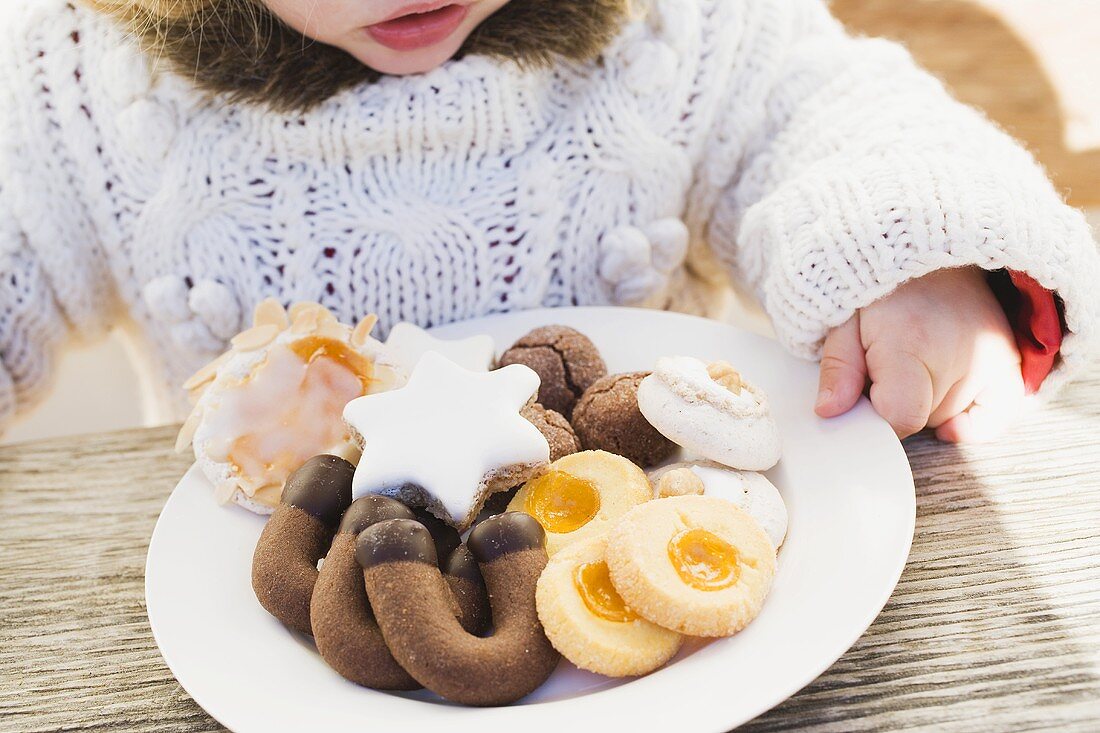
(418, 29)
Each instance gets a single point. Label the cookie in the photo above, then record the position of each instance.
(447, 439)
(710, 411)
(750, 491)
(555, 428)
(414, 611)
(587, 620)
(344, 625)
(407, 342)
(694, 564)
(606, 417)
(275, 399)
(566, 361)
(284, 564)
(344, 629)
(581, 495)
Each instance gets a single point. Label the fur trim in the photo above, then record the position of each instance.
(240, 49)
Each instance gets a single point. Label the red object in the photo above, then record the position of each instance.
(1037, 317)
(419, 27)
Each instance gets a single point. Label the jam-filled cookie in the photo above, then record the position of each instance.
(587, 620)
(581, 495)
(711, 411)
(275, 399)
(750, 491)
(695, 564)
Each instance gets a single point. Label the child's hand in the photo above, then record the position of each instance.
(937, 352)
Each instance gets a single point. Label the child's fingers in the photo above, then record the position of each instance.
(994, 410)
(979, 424)
(843, 370)
(902, 393)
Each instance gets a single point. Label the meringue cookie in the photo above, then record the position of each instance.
(749, 491)
(728, 421)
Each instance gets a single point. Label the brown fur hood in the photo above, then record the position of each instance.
(239, 48)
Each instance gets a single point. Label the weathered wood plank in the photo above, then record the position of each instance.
(994, 625)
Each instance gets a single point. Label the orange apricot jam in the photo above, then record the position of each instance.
(703, 560)
(593, 583)
(311, 348)
(289, 409)
(561, 502)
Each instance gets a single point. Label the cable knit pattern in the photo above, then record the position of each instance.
(864, 174)
(715, 136)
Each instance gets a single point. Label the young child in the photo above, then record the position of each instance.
(169, 163)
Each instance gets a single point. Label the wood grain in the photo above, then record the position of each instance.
(995, 624)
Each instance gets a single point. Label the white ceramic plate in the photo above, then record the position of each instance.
(848, 489)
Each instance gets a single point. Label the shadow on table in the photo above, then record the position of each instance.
(985, 606)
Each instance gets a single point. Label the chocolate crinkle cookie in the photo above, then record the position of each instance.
(567, 362)
(607, 418)
(555, 428)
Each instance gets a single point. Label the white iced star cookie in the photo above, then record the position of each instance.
(710, 411)
(447, 439)
(750, 491)
(408, 342)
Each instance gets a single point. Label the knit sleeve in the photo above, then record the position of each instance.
(54, 280)
(865, 173)
(31, 324)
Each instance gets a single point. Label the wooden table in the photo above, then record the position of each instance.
(995, 624)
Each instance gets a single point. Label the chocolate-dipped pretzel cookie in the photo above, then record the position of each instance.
(284, 566)
(412, 604)
(344, 626)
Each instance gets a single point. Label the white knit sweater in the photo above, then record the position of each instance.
(820, 170)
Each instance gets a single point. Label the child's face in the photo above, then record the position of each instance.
(389, 36)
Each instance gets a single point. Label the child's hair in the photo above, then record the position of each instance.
(240, 49)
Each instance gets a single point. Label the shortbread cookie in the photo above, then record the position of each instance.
(275, 399)
(581, 495)
(408, 342)
(587, 620)
(567, 362)
(447, 439)
(606, 417)
(709, 410)
(694, 564)
(750, 491)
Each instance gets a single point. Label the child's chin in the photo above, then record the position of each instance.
(400, 63)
